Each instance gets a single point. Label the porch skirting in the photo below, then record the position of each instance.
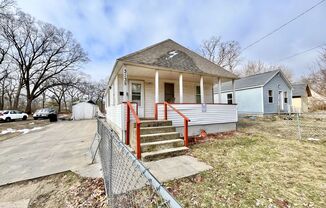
(195, 130)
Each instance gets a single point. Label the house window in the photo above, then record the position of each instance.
(285, 97)
(198, 97)
(270, 96)
(229, 97)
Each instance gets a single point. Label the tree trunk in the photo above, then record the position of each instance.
(16, 99)
(43, 100)
(28, 108)
(59, 107)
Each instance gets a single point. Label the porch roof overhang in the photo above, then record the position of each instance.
(119, 64)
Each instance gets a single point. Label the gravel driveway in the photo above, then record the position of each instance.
(58, 147)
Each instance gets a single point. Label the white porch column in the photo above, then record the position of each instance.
(202, 96)
(233, 91)
(219, 90)
(125, 84)
(181, 87)
(157, 97)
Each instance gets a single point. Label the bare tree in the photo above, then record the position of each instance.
(317, 76)
(225, 54)
(42, 52)
(257, 67)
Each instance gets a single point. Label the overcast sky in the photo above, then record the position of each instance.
(108, 30)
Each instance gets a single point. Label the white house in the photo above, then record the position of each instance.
(167, 91)
(265, 93)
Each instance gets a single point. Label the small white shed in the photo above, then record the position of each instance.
(84, 110)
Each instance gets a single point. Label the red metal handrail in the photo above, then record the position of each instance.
(185, 120)
(138, 122)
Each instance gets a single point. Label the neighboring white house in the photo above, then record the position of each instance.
(265, 93)
(167, 71)
(84, 110)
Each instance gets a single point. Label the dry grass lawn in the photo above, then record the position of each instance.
(261, 165)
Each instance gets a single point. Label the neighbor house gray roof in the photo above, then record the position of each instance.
(172, 55)
(257, 80)
(300, 89)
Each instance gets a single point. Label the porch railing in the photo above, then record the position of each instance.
(186, 120)
(131, 109)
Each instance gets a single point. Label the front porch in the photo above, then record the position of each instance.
(184, 100)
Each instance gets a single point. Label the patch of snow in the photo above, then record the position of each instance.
(172, 54)
(313, 139)
(9, 130)
(31, 123)
(24, 131)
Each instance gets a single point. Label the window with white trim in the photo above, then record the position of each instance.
(285, 97)
(270, 96)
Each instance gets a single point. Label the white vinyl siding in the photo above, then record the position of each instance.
(249, 101)
(215, 113)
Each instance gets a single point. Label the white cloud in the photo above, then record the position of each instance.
(110, 29)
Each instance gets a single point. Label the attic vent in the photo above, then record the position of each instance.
(172, 54)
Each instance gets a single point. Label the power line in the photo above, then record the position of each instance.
(283, 25)
(302, 52)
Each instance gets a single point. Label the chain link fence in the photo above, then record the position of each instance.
(307, 126)
(127, 182)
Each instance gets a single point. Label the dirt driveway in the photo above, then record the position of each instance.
(56, 148)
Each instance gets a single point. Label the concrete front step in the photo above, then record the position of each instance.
(159, 137)
(156, 129)
(160, 145)
(161, 154)
(153, 123)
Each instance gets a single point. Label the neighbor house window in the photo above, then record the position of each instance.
(285, 97)
(198, 97)
(270, 96)
(229, 97)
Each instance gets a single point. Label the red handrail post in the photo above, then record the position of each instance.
(165, 111)
(128, 126)
(185, 132)
(138, 141)
(156, 112)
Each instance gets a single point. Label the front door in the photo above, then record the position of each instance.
(280, 101)
(137, 95)
(169, 92)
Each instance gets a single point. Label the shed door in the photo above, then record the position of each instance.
(137, 95)
(280, 101)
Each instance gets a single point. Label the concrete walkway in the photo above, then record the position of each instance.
(176, 167)
(58, 147)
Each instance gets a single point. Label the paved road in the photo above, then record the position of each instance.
(58, 147)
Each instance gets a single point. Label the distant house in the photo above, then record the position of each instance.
(301, 92)
(265, 93)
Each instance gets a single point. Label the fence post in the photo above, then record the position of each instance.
(299, 126)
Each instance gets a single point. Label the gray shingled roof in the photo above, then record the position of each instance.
(300, 89)
(173, 55)
(250, 81)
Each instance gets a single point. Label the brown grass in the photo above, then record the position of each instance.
(261, 165)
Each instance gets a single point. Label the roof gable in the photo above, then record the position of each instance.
(254, 81)
(170, 54)
(300, 89)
